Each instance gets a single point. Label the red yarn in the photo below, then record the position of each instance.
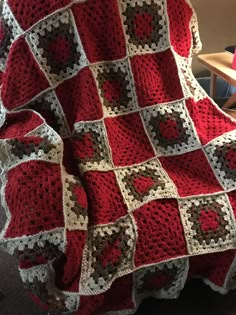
(208, 121)
(19, 124)
(39, 211)
(30, 12)
(155, 78)
(105, 198)
(191, 174)
(21, 64)
(128, 145)
(160, 232)
(79, 98)
(100, 30)
(179, 17)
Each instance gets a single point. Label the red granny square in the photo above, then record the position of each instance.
(42, 210)
(179, 23)
(28, 12)
(128, 141)
(100, 29)
(105, 199)
(156, 78)
(160, 232)
(79, 98)
(209, 122)
(68, 270)
(21, 64)
(191, 173)
(119, 297)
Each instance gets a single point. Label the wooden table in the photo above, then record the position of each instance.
(219, 64)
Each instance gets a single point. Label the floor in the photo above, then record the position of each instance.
(196, 299)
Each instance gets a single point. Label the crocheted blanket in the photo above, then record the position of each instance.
(118, 170)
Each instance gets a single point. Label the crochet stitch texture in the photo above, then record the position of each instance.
(118, 170)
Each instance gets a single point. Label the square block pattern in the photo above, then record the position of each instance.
(222, 155)
(143, 183)
(43, 205)
(112, 301)
(100, 27)
(203, 111)
(191, 173)
(90, 145)
(50, 108)
(163, 281)
(79, 98)
(116, 87)
(209, 223)
(128, 140)
(160, 232)
(34, 10)
(156, 78)
(57, 47)
(145, 24)
(170, 128)
(15, 92)
(108, 253)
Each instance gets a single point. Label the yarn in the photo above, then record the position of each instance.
(118, 171)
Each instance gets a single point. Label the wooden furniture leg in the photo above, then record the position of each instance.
(230, 102)
(228, 106)
(213, 85)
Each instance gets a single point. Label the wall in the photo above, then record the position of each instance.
(217, 24)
